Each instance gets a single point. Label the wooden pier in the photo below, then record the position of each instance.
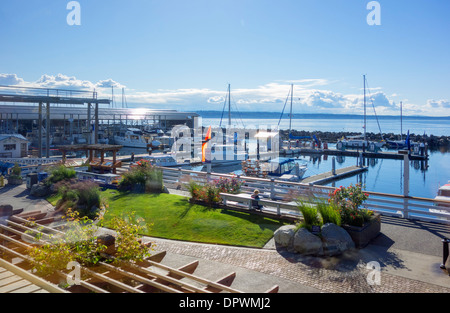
(352, 153)
(330, 176)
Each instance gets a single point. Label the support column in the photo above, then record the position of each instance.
(96, 124)
(47, 137)
(40, 131)
(114, 161)
(89, 128)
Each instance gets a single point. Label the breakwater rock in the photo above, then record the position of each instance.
(434, 142)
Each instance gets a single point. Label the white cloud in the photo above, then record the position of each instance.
(439, 104)
(310, 96)
(10, 79)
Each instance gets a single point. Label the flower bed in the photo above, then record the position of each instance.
(343, 208)
(209, 194)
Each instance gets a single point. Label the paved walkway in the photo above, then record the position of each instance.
(409, 253)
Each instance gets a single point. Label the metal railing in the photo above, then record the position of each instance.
(407, 207)
(47, 92)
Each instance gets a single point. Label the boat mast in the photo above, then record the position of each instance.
(364, 77)
(290, 115)
(401, 120)
(229, 105)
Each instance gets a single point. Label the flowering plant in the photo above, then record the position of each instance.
(226, 185)
(208, 193)
(348, 200)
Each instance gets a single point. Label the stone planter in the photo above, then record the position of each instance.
(361, 236)
(15, 181)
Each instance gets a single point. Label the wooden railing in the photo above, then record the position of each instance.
(386, 204)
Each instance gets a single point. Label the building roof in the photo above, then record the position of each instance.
(7, 136)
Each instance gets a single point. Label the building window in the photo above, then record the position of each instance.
(9, 147)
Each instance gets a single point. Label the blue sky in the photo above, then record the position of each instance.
(181, 54)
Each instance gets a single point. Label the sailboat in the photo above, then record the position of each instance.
(360, 141)
(219, 151)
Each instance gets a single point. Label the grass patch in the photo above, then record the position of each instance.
(173, 217)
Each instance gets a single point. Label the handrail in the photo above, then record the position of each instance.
(405, 204)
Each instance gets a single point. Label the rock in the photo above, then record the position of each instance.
(6, 210)
(109, 241)
(284, 235)
(336, 239)
(306, 243)
(39, 190)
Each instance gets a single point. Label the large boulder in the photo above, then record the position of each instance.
(335, 239)
(6, 210)
(307, 243)
(284, 235)
(39, 190)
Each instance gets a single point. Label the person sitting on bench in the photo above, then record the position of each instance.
(255, 203)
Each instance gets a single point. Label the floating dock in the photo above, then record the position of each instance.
(352, 153)
(327, 177)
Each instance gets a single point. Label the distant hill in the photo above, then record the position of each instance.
(274, 115)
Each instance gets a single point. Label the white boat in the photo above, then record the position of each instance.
(134, 138)
(444, 194)
(358, 142)
(287, 169)
(165, 160)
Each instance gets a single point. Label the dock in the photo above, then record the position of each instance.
(330, 176)
(352, 153)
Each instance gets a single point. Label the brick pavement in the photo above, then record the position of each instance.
(335, 275)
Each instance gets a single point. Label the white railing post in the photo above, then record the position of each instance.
(405, 185)
(179, 175)
(272, 189)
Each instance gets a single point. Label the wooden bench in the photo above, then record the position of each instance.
(247, 200)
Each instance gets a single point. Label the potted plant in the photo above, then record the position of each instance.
(15, 178)
(362, 224)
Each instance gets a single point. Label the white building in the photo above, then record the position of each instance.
(13, 146)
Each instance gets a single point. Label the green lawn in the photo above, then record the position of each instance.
(173, 217)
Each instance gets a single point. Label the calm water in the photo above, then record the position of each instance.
(384, 175)
(437, 127)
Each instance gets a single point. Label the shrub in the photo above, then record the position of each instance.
(58, 174)
(227, 185)
(129, 246)
(79, 243)
(348, 200)
(16, 172)
(83, 197)
(311, 216)
(143, 177)
(329, 212)
(209, 193)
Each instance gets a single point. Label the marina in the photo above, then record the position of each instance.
(353, 153)
(87, 131)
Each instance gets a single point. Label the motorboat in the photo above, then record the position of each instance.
(358, 142)
(444, 194)
(281, 168)
(167, 160)
(134, 138)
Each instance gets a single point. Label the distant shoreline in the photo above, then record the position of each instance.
(275, 115)
(433, 142)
